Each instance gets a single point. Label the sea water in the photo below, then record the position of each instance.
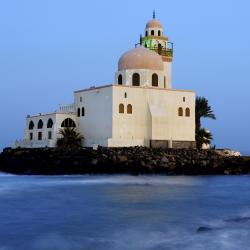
(124, 212)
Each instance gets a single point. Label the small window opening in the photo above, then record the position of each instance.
(83, 111)
(120, 79)
(129, 109)
(40, 136)
(152, 33)
(78, 112)
(121, 108)
(31, 136)
(125, 95)
(187, 112)
(50, 135)
(180, 111)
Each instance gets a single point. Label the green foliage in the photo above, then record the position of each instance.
(203, 136)
(69, 139)
(202, 110)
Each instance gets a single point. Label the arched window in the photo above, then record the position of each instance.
(40, 124)
(187, 112)
(159, 33)
(121, 108)
(129, 109)
(31, 125)
(152, 33)
(68, 123)
(180, 111)
(50, 123)
(136, 79)
(78, 112)
(155, 80)
(120, 79)
(83, 111)
(146, 33)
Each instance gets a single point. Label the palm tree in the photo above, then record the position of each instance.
(203, 136)
(202, 110)
(69, 139)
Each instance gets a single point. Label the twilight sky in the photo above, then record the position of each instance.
(49, 48)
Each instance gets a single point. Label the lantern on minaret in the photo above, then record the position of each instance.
(155, 40)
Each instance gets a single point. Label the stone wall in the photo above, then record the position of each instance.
(133, 160)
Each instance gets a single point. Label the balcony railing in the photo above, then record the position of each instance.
(163, 52)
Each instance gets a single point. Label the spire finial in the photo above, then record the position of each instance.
(154, 14)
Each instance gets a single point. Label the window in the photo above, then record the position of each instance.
(31, 136)
(159, 33)
(187, 112)
(31, 125)
(68, 123)
(155, 80)
(121, 108)
(50, 123)
(184, 99)
(83, 111)
(164, 82)
(146, 33)
(136, 79)
(78, 112)
(125, 95)
(40, 136)
(80, 99)
(40, 124)
(180, 112)
(129, 109)
(50, 135)
(152, 33)
(120, 79)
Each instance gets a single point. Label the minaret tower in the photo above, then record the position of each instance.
(156, 41)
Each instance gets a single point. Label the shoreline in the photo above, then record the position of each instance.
(132, 160)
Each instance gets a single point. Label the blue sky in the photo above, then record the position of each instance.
(49, 48)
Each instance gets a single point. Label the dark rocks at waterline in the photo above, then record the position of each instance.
(132, 160)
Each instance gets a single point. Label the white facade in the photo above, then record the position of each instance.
(140, 109)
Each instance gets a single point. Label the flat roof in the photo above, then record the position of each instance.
(52, 113)
(130, 86)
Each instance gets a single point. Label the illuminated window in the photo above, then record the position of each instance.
(180, 112)
(155, 80)
(136, 79)
(187, 112)
(121, 108)
(129, 109)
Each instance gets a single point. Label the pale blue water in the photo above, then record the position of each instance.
(123, 212)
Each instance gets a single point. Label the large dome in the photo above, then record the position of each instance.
(154, 24)
(140, 58)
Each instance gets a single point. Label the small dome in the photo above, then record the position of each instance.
(153, 24)
(140, 58)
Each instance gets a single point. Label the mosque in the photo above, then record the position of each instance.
(141, 107)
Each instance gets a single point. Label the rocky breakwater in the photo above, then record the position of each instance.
(134, 160)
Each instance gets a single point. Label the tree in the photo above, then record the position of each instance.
(202, 110)
(69, 139)
(203, 136)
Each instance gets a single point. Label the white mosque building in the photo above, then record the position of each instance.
(141, 107)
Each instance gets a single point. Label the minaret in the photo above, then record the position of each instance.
(156, 41)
